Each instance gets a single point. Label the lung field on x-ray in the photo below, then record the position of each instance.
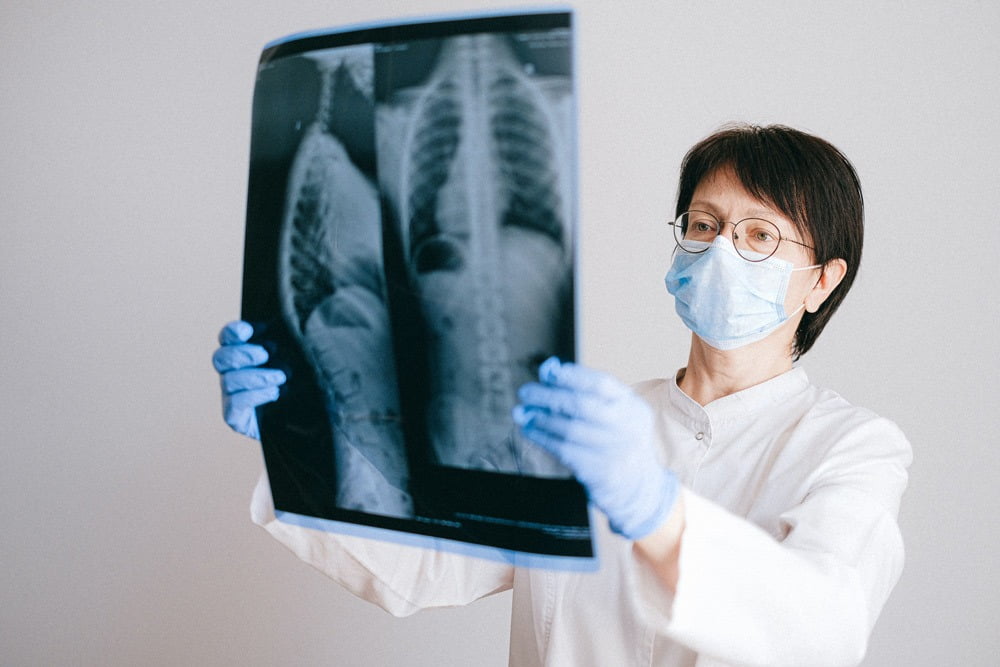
(474, 163)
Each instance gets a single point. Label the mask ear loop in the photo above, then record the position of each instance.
(822, 270)
(812, 266)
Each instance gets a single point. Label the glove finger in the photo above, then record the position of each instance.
(236, 357)
(243, 422)
(570, 440)
(527, 420)
(251, 378)
(569, 402)
(235, 332)
(573, 376)
(251, 398)
(549, 398)
(239, 413)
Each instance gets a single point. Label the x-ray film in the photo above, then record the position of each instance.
(409, 263)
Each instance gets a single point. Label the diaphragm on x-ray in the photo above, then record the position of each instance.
(409, 264)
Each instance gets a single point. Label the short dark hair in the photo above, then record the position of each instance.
(805, 178)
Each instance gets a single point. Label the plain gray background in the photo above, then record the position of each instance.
(125, 142)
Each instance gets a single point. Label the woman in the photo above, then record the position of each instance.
(751, 515)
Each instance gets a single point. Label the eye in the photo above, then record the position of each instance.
(700, 223)
(760, 234)
(696, 226)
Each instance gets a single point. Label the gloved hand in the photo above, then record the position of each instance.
(244, 385)
(603, 432)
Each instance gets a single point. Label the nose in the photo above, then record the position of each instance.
(725, 239)
(727, 230)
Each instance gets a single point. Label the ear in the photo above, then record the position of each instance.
(830, 276)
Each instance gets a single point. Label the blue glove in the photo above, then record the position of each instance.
(244, 386)
(603, 432)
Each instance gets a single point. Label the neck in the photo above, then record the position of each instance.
(712, 374)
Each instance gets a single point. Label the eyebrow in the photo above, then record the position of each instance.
(770, 215)
(751, 213)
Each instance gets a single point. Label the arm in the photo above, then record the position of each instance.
(717, 582)
(744, 597)
(661, 549)
(400, 579)
(809, 594)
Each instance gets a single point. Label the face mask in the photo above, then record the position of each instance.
(726, 300)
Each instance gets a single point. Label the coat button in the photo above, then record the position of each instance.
(699, 435)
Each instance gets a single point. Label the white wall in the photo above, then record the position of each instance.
(123, 164)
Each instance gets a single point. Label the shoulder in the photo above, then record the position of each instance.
(856, 446)
(831, 413)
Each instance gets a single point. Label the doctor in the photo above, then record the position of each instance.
(751, 514)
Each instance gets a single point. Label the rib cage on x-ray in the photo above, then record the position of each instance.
(332, 291)
(483, 199)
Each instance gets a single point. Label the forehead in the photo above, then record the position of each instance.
(721, 193)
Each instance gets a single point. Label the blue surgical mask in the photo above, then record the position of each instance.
(726, 300)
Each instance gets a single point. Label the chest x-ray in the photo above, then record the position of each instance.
(409, 263)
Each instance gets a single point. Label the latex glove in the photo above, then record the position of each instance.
(244, 385)
(603, 432)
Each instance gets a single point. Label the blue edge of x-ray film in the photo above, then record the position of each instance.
(507, 556)
(435, 18)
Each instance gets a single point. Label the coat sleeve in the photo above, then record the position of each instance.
(809, 597)
(398, 578)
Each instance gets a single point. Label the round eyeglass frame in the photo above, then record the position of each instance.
(679, 235)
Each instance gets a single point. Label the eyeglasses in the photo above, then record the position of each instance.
(755, 239)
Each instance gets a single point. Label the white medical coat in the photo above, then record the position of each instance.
(790, 549)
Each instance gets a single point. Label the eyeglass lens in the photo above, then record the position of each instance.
(755, 239)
